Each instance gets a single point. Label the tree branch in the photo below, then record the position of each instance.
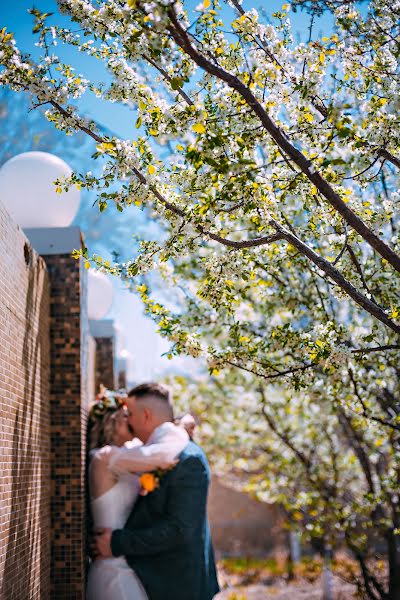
(355, 440)
(389, 157)
(357, 265)
(315, 480)
(371, 307)
(278, 135)
(275, 375)
(317, 104)
(175, 209)
(366, 414)
(376, 349)
(164, 73)
(281, 233)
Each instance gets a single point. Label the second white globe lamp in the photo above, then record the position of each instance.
(100, 294)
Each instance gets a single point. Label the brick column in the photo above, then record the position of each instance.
(122, 379)
(122, 367)
(104, 334)
(69, 408)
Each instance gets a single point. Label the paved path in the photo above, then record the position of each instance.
(281, 591)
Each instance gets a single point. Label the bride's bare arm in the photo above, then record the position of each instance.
(101, 479)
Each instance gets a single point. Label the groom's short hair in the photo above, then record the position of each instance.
(155, 391)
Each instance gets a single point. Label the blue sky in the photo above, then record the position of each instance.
(138, 333)
(117, 118)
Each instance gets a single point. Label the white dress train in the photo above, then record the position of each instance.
(113, 578)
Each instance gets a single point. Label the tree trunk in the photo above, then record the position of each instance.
(327, 576)
(393, 542)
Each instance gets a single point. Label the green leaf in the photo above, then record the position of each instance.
(176, 83)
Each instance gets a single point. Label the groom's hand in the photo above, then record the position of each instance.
(102, 543)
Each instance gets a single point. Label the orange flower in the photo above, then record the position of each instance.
(148, 482)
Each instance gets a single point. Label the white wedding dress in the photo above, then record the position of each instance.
(112, 578)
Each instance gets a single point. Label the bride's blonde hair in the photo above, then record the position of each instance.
(101, 431)
(102, 419)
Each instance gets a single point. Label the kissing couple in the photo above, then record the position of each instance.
(148, 489)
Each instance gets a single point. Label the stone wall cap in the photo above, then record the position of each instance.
(54, 240)
(102, 328)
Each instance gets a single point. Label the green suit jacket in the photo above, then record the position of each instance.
(166, 539)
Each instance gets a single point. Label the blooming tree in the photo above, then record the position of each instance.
(329, 467)
(271, 167)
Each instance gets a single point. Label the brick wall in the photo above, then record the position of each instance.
(69, 411)
(24, 419)
(241, 526)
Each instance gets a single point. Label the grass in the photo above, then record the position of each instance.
(254, 570)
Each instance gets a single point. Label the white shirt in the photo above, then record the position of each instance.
(160, 451)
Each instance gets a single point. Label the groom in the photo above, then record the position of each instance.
(166, 539)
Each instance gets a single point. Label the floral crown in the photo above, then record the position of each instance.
(107, 401)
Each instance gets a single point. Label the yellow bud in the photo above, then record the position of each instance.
(199, 128)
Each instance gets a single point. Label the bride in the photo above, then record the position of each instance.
(115, 461)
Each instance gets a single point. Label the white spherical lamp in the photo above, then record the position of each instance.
(122, 360)
(100, 295)
(28, 192)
